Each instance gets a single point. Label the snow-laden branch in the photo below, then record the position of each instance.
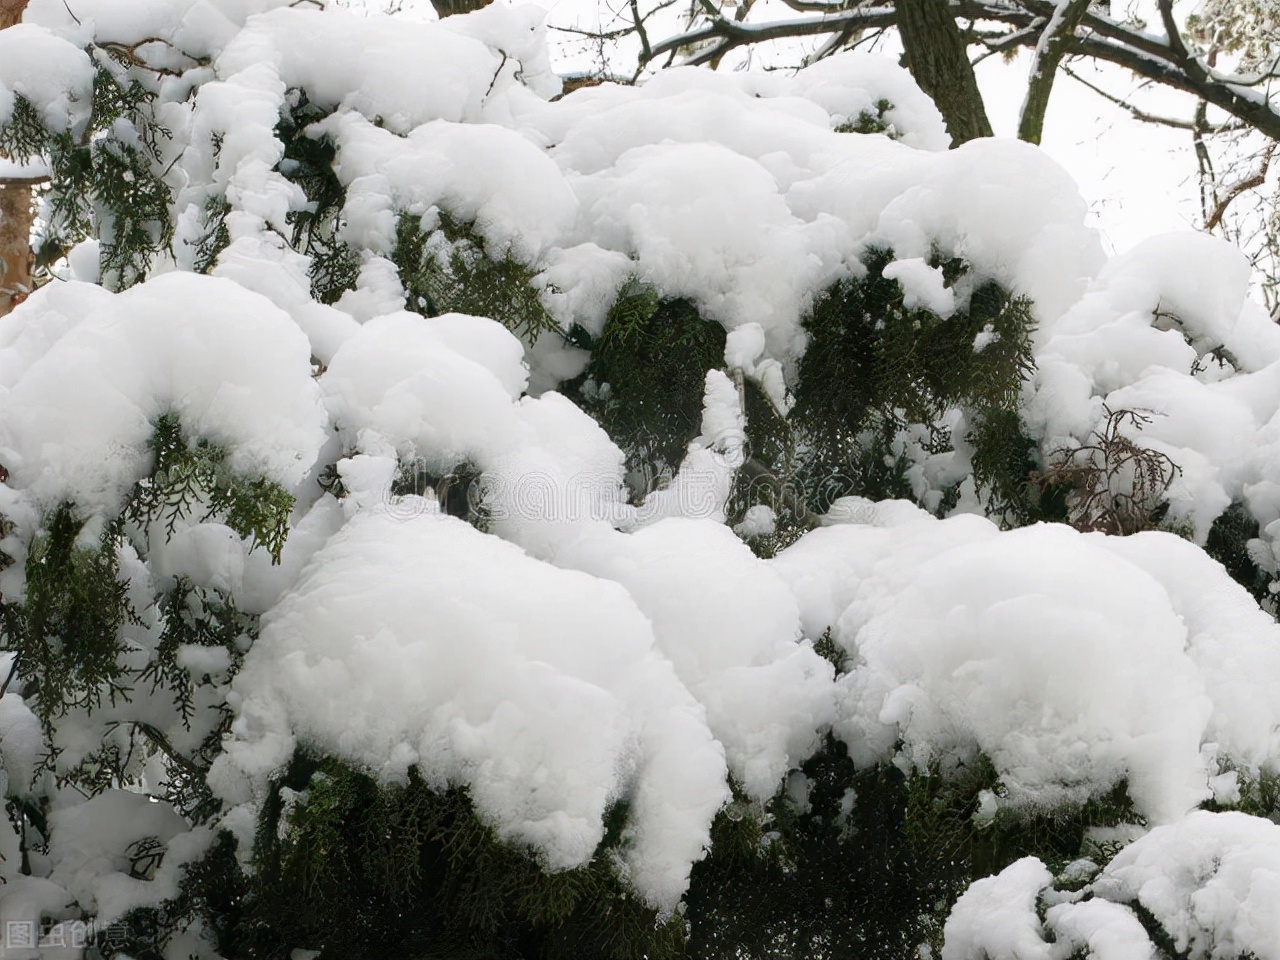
(1050, 49)
(1241, 103)
(1161, 120)
(1058, 28)
(733, 34)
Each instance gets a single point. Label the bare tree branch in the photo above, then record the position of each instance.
(594, 34)
(816, 6)
(1153, 58)
(732, 34)
(1243, 186)
(161, 742)
(1174, 35)
(1251, 109)
(1157, 119)
(1002, 43)
(128, 53)
(1165, 60)
(1050, 49)
(1204, 162)
(645, 55)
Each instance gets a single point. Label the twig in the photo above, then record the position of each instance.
(733, 34)
(128, 53)
(497, 73)
(1139, 114)
(159, 740)
(593, 34)
(1249, 183)
(13, 672)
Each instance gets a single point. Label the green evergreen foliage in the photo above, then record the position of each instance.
(774, 476)
(110, 187)
(871, 121)
(876, 371)
(133, 204)
(1228, 543)
(943, 816)
(359, 869)
(216, 237)
(211, 893)
(451, 269)
(308, 162)
(864, 865)
(460, 492)
(647, 375)
(1004, 461)
(192, 476)
(195, 616)
(1258, 793)
(875, 386)
(833, 877)
(24, 136)
(65, 633)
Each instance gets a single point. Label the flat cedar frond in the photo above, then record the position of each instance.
(646, 377)
(361, 866)
(309, 162)
(450, 269)
(876, 370)
(67, 635)
(191, 477)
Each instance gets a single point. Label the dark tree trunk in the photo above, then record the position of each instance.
(939, 63)
(15, 213)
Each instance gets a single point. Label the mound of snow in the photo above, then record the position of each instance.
(85, 375)
(416, 640)
(1207, 884)
(1072, 661)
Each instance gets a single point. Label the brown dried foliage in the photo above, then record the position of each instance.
(1111, 484)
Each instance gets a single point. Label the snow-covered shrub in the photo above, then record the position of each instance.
(378, 464)
(1204, 886)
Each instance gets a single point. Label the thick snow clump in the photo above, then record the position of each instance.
(583, 651)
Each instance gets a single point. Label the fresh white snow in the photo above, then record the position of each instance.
(585, 650)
